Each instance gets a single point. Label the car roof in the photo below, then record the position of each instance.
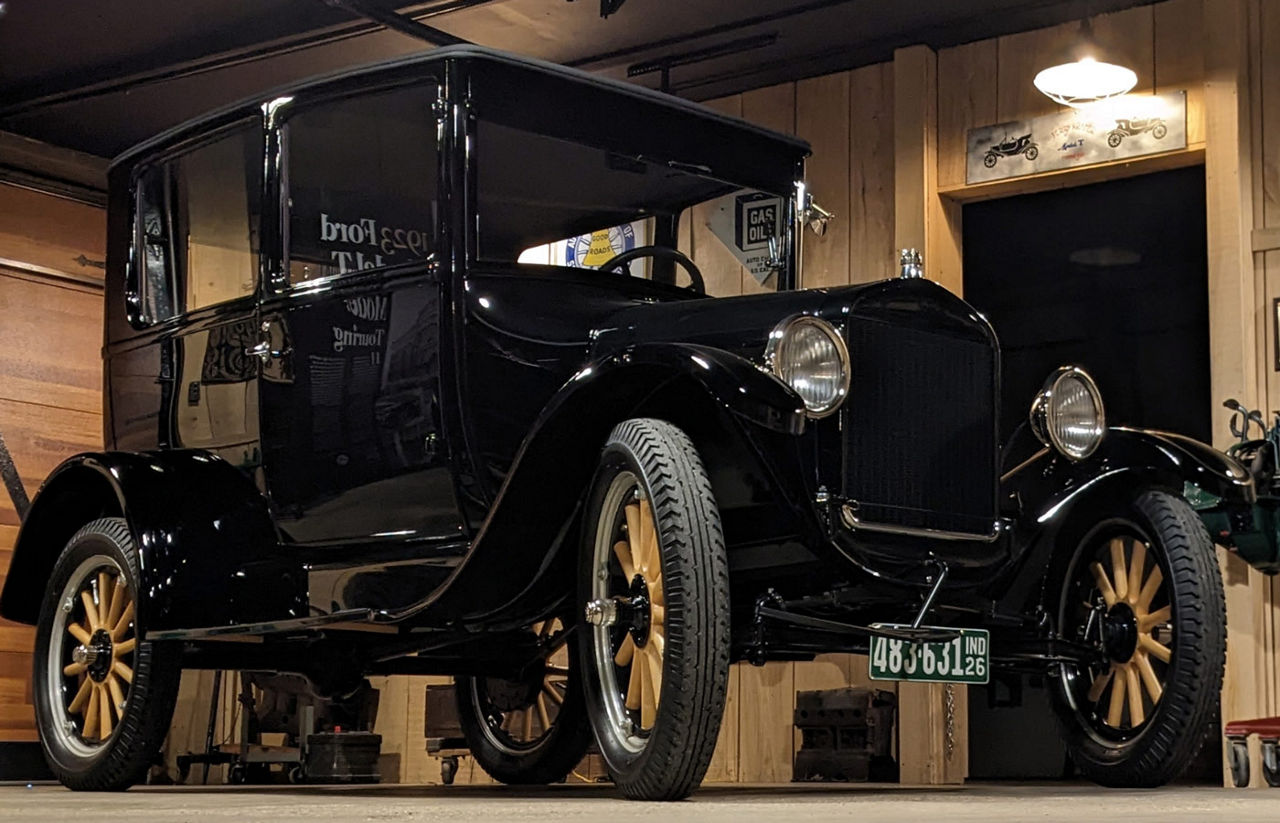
(515, 64)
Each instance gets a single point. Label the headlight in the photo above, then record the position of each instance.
(810, 356)
(1068, 414)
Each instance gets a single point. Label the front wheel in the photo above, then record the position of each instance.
(103, 696)
(1114, 138)
(1159, 131)
(1032, 153)
(654, 583)
(1144, 592)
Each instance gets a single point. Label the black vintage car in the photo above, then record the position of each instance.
(362, 417)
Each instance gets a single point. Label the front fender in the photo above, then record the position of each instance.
(513, 557)
(202, 530)
(1049, 495)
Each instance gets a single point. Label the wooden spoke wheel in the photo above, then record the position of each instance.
(1128, 616)
(103, 696)
(518, 714)
(532, 729)
(633, 590)
(653, 584)
(1142, 604)
(97, 614)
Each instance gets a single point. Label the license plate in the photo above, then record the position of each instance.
(965, 659)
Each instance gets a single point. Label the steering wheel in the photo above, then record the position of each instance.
(620, 261)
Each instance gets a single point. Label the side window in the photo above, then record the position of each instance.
(197, 226)
(362, 183)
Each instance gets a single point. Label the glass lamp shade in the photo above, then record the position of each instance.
(1087, 80)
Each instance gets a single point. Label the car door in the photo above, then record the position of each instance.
(353, 452)
(186, 380)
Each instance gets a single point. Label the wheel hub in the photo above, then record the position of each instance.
(512, 695)
(96, 656)
(639, 612)
(1120, 632)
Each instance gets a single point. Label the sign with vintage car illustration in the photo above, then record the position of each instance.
(355, 427)
(1128, 126)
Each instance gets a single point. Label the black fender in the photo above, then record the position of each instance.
(203, 532)
(517, 555)
(1052, 498)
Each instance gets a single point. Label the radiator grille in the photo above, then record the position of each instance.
(919, 428)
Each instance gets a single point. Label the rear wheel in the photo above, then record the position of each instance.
(103, 697)
(1144, 591)
(654, 582)
(531, 730)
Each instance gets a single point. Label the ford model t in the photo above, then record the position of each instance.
(362, 417)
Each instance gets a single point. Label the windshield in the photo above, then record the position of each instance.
(544, 201)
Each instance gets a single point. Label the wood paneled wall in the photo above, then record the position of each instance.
(848, 119)
(50, 379)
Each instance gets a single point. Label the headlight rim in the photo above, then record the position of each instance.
(1039, 416)
(779, 334)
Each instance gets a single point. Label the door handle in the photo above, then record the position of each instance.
(264, 351)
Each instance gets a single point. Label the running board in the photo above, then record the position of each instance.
(299, 624)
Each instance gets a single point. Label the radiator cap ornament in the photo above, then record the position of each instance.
(911, 262)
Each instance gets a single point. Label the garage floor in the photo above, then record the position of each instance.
(865, 804)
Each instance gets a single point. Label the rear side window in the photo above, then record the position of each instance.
(196, 231)
(361, 177)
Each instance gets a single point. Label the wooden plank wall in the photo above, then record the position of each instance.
(50, 380)
(848, 119)
(1242, 73)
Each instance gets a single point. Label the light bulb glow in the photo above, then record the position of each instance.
(1085, 81)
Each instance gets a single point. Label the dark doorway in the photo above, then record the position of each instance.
(1112, 277)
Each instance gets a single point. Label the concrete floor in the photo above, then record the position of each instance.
(565, 804)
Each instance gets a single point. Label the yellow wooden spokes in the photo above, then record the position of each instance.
(101, 703)
(1116, 711)
(641, 554)
(1104, 585)
(1100, 685)
(520, 723)
(1120, 580)
(1132, 682)
(626, 651)
(122, 624)
(104, 598)
(78, 632)
(90, 611)
(119, 598)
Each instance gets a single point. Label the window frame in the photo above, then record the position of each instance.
(133, 291)
(279, 283)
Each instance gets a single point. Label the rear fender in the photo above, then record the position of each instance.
(202, 530)
(1055, 499)
(519, 554)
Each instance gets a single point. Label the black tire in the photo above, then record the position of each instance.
(102, 547)
(989, 161)
(1159, 131)
(1270, 763)
(1170, 728)
(492, 712)
(1238, 759)
(1032, 153)
(650, 470)
(1114, 139)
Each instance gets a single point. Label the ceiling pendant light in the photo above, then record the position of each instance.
(1084, 76)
